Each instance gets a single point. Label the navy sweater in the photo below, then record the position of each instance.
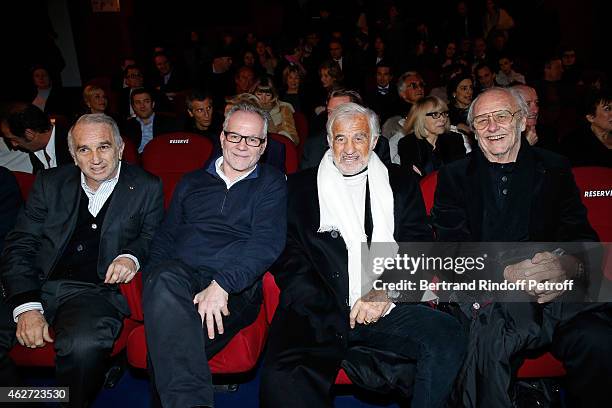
(237, 232)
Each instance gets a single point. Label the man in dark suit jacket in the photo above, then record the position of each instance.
(30, 129)
(508, 191)
(325, 316)
(84, 231)
(147, 124)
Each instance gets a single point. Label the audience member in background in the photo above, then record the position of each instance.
(463, 23)
(460, 91)
(479, 52)
(202, 117)
(84, 231)
(134, 79)
(506, 75)
(349, 68)
(292, 89)
(30, 129)
(12, 158)
(94, 99)
(449, 54)
(118, 80)
(244, 79)
(383, 99)
(496, 18)
(572, 71)
(410, 88)
(274, 154)
(10, 203)
(431, 143)
(485, 77)
(317, 143)
(219, 78)
(266, 57)
(146, 124)
(49, 98)
(281, 113)
(591, 143)
(536, 133)
(170, 79)
(554, 94)
(249, 60)
(331, 77)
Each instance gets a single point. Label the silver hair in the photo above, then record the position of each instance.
(350, 110)
(514, 94)
(401, 81)
(95, 118)
(249, 107)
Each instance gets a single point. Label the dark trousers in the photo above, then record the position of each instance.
(299, 370)
(502, 334)
(86, 326)
(177, 342)
(584, 344)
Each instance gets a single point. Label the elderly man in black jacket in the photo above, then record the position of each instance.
(508, 191)
(325, 315)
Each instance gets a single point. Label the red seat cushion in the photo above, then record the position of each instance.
(543, 366)
(239, 356)
(292, 158)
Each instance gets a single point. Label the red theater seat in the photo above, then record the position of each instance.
(25, 181)
(301, 125)
(130, 152)
(172, 155)
(291, 154)
(428, 189)
(594, 183)
(241, 353)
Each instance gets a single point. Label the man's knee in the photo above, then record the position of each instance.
(87, 343)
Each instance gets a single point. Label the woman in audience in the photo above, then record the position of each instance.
(431, 143)
(292, 92)
(460, 91)
(331, 78)
(266, 57)
(95, 99)
(280, 112)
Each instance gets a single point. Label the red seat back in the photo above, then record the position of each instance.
(130, 152)
(25, 181)
(594, 183)
(172, 155)
(291, 153)
(428, 189)
(301, 125)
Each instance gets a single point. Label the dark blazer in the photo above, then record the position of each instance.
(10, 202)
(45, 226)
(543, 193)
(161, 124)
(62, 153)
(312, 272)
(420, 153)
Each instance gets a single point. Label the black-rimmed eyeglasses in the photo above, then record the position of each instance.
(436, 115)
(234, 137)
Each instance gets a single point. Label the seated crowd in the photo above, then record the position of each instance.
(499, 137)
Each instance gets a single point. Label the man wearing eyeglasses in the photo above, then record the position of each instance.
(508, 191)
(225, 226)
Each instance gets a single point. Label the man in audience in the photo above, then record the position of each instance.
(383, 99)
(30, 129)
(507, 191)
(203, 119)
(147, 124)
(204, 275)
(410, 88)
(324, 313)
(244, 79)
(85, 230)
(170, 80)
(317, 143)
(485, 77)
(535, 133)
(219, 78)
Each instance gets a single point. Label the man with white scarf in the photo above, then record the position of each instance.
(325, 319)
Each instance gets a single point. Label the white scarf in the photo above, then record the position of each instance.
(340, 213)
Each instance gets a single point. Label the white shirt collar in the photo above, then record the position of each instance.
(50, 149)
(228, 182)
